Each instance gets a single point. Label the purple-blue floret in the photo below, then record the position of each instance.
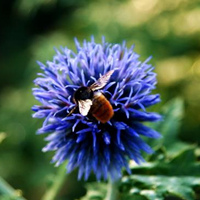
(87, 144)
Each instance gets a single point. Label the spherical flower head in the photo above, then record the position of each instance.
(88, 144)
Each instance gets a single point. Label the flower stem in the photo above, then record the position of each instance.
(52, 192)
(6, 189)
(113, 192)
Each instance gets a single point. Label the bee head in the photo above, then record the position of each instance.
(83, 93)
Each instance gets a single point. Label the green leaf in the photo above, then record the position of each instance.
(132, 197)
(169, 127)
(8, 197)
(184, 163)
(158, 187)
(169, 146)
(2, 136)
(96, 191)
(59, 179)
(173, 113)
(151, 195)
(8, 193)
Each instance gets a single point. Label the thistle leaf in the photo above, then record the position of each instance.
(158, 187)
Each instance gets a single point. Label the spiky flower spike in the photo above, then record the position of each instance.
(104, 148)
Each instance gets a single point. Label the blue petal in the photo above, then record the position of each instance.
(146, 131)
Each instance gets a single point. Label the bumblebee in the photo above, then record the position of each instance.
(91, 100)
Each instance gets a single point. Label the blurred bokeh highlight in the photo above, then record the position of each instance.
(30, 29)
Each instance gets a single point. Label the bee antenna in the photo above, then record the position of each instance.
(72, 110)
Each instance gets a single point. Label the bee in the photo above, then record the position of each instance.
(91, 100)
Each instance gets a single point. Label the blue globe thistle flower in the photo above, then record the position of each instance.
(87, 144)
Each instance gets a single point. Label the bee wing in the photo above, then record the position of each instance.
(102, 81)
(84, 106)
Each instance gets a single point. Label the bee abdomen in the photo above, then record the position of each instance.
(101, 108)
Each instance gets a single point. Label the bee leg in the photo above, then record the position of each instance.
(72, 110)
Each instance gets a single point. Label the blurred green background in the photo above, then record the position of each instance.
(29, 30)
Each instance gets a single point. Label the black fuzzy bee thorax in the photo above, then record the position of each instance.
(83, 93)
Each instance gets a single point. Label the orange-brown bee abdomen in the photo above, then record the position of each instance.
(101, 108)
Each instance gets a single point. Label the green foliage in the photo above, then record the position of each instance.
(173, 171)
(95, 191)
(9, 197)
(8, 193)
(168, 30)
(160, 186)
